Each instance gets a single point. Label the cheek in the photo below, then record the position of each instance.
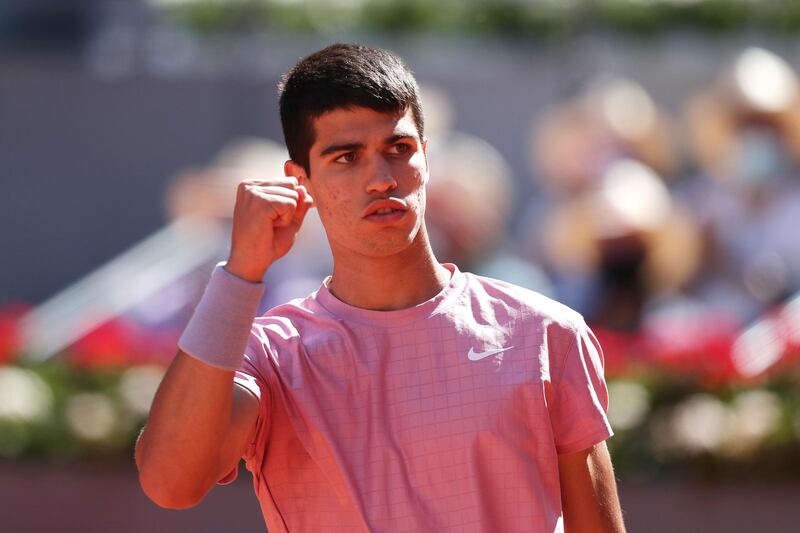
(326, 208)
(420, 165)
(330, 206)
(421, 199)
(420, 183)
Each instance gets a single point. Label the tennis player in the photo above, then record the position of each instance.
(404, 394)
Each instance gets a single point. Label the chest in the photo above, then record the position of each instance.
(449, 382)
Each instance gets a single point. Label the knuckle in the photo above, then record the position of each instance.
(282, 202)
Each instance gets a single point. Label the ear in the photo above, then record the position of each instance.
(292, 169)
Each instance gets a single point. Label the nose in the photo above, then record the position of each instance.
(381, 178)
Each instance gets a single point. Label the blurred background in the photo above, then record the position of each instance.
(638, 160)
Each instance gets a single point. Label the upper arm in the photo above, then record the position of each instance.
(241, 429)
(200, 424)
(588, 491)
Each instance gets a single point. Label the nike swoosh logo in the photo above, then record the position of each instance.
(477, 356)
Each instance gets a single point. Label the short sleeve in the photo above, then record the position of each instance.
(580, 396)
(250, 377)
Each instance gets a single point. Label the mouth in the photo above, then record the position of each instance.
(385, 211)
(385, 217)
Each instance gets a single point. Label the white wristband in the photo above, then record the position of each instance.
(220, 326)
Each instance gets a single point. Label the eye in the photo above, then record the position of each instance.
(400, 148)
(347, 157)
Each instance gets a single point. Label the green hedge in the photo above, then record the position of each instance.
(531, 19)
(664, 425)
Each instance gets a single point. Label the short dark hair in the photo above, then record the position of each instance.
(343, 76)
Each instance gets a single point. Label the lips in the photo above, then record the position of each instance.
(386, 207)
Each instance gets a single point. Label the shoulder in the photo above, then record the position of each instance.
(527, 304)
(293, 321)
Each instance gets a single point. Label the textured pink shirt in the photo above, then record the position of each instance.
(446, 416)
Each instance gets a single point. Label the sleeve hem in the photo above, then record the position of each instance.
(586, 442)
(248, 383)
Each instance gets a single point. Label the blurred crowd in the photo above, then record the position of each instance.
(647, 213)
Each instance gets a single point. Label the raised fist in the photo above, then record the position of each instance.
(266, 219)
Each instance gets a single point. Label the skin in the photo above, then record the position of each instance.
(589, 497)
(201, 422)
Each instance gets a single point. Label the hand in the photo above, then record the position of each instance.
(266, 219)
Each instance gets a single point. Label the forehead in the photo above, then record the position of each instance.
(360, 125)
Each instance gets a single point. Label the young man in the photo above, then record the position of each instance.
(403, 395)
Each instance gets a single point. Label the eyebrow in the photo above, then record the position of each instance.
(399, 137)
(352, 147)
(347, 147)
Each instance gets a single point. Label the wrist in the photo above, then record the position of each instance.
(246, 270)
(220, 326)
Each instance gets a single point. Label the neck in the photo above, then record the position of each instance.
(388, 283)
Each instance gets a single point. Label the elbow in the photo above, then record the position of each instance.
(169, 495)
(174, 502)
(165, 489)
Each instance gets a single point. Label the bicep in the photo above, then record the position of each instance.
(588, 491)
(241, 429)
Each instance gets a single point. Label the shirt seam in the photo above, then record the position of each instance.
(586, 442)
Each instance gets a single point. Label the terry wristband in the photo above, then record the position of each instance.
(220, 326)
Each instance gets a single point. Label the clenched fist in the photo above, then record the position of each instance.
(266, 219)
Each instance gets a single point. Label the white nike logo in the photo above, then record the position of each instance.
(477, 356)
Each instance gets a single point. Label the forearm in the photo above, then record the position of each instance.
(200, 421)
(178, 453)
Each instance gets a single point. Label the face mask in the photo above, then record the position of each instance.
(759, 157)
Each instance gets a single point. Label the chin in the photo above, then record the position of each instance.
(388, 243)
(386, 247)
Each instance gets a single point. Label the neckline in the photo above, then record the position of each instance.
(397, 317)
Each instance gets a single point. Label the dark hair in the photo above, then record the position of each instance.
(342, 76)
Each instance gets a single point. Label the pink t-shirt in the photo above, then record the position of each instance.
(446, 416)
